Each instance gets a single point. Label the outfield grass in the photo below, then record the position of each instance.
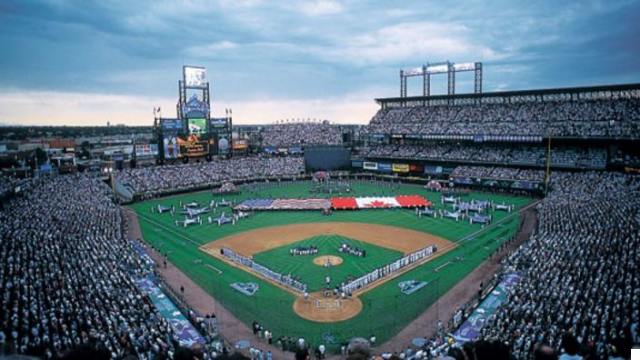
(386, 310)
(280, 260)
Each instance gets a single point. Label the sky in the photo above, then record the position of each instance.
(68, 62)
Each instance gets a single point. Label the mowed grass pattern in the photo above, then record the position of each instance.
(280, 260)
(386, 310)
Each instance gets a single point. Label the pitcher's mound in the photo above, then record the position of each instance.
(322, 260)
(321, 309)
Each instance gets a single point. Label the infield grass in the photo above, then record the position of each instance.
(280, 260)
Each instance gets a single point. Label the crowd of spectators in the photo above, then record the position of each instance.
(618, 118)
(67, 276)
(567, 157)
(7, 184)
(580, 289)
(498, 173)
(197, 175)
(626, 158)
(301, 134)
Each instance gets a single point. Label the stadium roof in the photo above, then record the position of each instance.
(412, 100)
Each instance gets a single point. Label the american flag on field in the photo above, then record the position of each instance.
(300, 204)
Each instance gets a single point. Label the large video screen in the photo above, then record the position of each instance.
(194, 76)
(197, 126)
(181, 146)
(193, 146)
(327, 158)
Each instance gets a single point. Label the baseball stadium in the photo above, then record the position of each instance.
(319, 179)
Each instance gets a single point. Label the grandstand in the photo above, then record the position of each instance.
(561, 271)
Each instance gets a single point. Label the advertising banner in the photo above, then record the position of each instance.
(529, 185)
(223, 144)
(170, 146)
(240, 144)
(462, 180)
(370, 165)
(471, 329)
(118, 149)
(384, 167)
(187, 334)
(400, 167)
(356, 163)
(432, 169)
(146, 150)
(218, 123)
(172, 125)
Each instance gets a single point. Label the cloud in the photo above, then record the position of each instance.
(320, 7)
(398, 12)
(213, 48)
(77, 109)
(415, 42)
(240, 3)
(353, 108)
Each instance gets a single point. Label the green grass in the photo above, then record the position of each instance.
(280, 260)
(386, 310)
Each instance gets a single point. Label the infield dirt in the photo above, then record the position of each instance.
(391, 237)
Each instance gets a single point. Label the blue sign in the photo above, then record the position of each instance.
(432, 169)
(384, 167)
(356, 163)
(182, 328)
(472, 327)
(218, 122)
(195, 107)
(172, 125)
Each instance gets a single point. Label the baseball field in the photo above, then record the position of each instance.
(381, 309)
